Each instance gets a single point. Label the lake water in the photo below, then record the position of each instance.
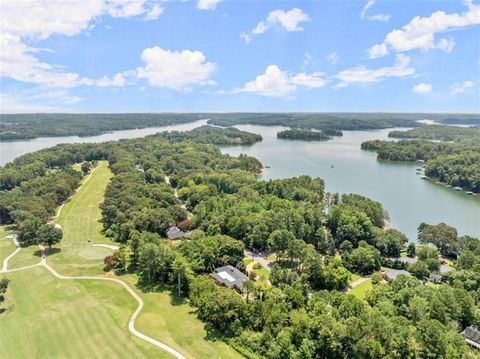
(408, 199)
(9, 150)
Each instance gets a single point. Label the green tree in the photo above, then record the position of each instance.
(49, 234)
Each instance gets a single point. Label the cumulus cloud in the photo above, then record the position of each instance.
(176, 70)
(207, 4)
(378, 17)
(277, 83)
(420, 32)
(289, 20)
(457, 88)
(422, 88)
(377, 51)
(362, 74)
(24, 22)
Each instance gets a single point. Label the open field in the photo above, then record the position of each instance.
(50, 317)
(79, 219)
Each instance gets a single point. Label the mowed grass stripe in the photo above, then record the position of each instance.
(48, 322)
(80, 221)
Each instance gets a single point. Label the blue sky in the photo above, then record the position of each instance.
(210, 55)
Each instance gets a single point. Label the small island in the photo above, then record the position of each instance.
(305, 135)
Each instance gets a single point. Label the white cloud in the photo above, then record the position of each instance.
(422, 88)
(362, 74)
(378, 17)
(420, 32)
(333, 58)
(118, 80)
(37, 101)
(32, 20)
(207, 4)
(461, 87)
(176, 70)
(154, 13)
(277, 83)
(290, 20)
(312, 80)
(245, 37)
(377, 51)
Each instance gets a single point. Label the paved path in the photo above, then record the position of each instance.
(167, 179)
(264, 262)
(131, 323)
(357, 282)
(5, 261)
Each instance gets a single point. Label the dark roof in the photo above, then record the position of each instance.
(230, 277)
(472, 336)
(391, 274)
(174, 233)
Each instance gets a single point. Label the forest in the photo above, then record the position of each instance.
(319, 244)
(305, 135)
(453, 159)
(28, 126)
(439, 132)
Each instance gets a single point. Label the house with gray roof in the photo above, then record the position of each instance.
(391, 274)
(230, 277)
(175, 233)
(472, 337)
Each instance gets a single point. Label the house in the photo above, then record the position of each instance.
(174, 233)
(435, 278)
(472, 337)
(391, 274)
(230, 277)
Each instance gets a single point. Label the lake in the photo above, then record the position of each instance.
(408, 199)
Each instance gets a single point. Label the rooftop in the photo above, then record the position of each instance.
(391, 274)
(472, 336)
(174, 233)
(230, 277)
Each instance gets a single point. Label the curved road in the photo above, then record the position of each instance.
(131, 323)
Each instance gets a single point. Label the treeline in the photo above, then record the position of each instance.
(455, 163)
(318, 121)
(33, 185)
(296, 134)
(213, 135)
(28, 126)
(438, 132)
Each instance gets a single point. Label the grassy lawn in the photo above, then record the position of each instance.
(354, 277)
(262, 273)
(25, 257)
(247, 261)
(79, 219)
(175, 323)
(7, 246)
(360, 290)
(51, 318)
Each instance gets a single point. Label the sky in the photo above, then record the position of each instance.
(220, 55)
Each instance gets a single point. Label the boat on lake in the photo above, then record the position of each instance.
(457, 188)
(470, 193)
(424, 177)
